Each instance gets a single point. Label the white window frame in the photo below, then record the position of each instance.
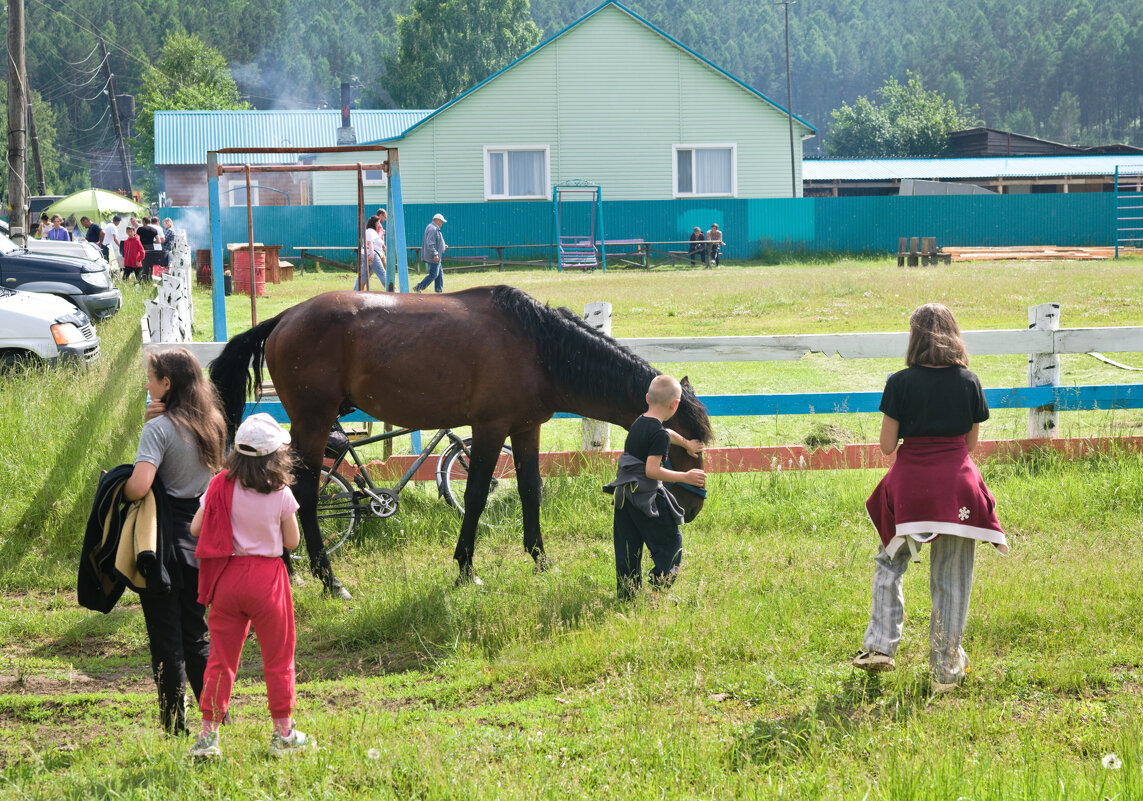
(733, 148)
(382, 181)
(489, 149)
(239, 182)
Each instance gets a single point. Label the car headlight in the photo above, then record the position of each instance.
(67, 334)
(101, 279)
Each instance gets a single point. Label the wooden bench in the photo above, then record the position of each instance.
(922, 250)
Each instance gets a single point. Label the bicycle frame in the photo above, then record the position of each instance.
(362, 479)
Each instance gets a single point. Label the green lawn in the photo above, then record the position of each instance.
(734, 684)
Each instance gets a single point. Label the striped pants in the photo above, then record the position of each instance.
(951, 561)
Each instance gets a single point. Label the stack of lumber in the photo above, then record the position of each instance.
(1037, 253)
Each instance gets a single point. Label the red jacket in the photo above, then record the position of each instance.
(216, 537)
(133, 252)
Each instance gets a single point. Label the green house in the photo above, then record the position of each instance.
(610, 100)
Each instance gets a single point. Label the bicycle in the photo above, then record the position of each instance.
(342, 505)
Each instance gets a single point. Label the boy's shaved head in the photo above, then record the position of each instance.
(663, 390)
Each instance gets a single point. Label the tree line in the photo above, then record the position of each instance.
(1068, 70)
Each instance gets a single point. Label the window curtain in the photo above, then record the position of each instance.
(684, 172)
(525, 173)
(496, 173)
(712, 172)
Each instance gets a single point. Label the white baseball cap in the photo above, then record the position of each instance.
(260, 435)
(439, 216)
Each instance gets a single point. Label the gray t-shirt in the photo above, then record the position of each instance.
(177, 458)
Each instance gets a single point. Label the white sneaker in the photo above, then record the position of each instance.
(293, 743)
(874, 661)
(205, 747)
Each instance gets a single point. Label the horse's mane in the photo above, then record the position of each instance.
(576, 355)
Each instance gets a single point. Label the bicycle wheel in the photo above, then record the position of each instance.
(452, 475)
(337, 511)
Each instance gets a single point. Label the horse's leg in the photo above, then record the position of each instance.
(485, 450)
(526, 457)
(310, 446)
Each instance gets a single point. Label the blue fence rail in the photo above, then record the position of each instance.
(751, 226)
(1066, 399)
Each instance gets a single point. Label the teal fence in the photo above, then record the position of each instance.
(847, 224)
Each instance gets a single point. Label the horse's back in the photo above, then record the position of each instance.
(417, 360)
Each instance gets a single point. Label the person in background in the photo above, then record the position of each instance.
(168, 240)
(932, 494)
(121, 225)
(714, 245)
(246, 520)
(697, 250)
(372, 255)
(133, 255)
(151, 236)
(57, 233)
(183, 443)
(93, 234)
(432, 251)
(110, 241)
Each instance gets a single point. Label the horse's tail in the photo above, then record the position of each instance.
(231, 373)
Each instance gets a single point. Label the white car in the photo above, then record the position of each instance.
(43, 328)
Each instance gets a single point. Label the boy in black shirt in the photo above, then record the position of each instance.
(645, 513)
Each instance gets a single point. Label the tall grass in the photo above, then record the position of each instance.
(735, 683)
(58, 429)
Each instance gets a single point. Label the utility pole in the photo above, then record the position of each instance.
(17, 123)
(115, 118)
(790, 100)
(39, 165)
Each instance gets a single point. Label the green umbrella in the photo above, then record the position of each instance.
(97, 204)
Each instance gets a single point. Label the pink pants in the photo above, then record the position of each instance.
(251, 589)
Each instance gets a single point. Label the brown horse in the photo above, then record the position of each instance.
(492, 358)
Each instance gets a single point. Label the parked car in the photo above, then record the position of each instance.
(43, 328)
(84, 281)
(81, 249)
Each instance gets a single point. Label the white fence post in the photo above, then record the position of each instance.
(171, 314)
(1044, 370)
(597, 435)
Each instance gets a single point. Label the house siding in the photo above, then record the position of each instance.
(610, 98)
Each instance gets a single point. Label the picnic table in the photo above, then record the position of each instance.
(646, 255)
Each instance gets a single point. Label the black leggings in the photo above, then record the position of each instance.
(176, 628)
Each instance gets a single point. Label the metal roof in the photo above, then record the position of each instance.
(185, 137)
(994, 167)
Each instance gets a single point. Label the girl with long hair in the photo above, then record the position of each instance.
(183, 443)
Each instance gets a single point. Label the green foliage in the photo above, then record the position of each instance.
(908, 121)
(448, 46)
(188, 75)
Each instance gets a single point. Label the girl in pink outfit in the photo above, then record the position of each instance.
(245, 521)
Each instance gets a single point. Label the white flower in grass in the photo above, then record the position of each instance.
(373, 753)
(963, 513)
(1112, 762)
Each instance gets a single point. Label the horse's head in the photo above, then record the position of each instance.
(692, 422)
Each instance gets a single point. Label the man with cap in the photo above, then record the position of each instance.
(432, 251)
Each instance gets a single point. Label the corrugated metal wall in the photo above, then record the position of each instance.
(854, 224)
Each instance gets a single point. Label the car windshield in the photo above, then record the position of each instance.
(7, 246)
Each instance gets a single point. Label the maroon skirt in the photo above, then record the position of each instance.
(934, 488)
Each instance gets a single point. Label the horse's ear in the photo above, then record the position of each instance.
(685, 382)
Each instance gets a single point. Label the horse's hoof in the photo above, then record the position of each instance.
(544, 565)
(468, 577)
(336, 590)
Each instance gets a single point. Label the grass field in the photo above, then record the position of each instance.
(735, 683)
